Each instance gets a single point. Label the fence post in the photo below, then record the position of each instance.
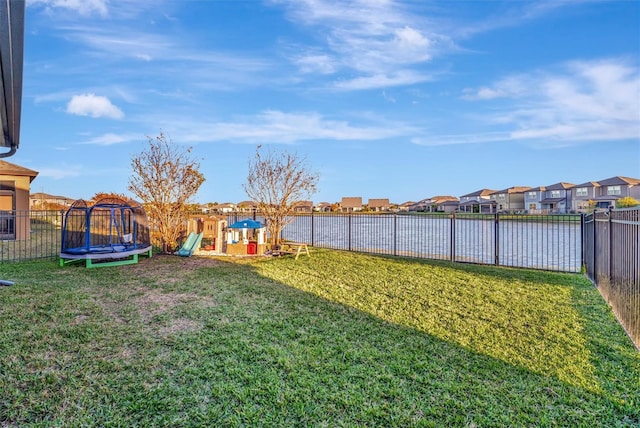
(349, 231)
(496, 238)
(610, 222)
(312, 218)
(582, 241)
(395, 234)
(595, 235)
(452, 237)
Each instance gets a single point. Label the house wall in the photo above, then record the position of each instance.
(20, 202)
(561, 206)
(515, 201)
(580, 203)
(532, 200)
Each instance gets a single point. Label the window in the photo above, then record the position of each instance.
(532, 206)
(532, 194)
(582, 191)
(613, 190)
(8, 185)
(555, 193)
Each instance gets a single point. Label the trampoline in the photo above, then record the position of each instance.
(108, 233)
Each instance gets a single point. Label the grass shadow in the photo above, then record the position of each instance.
(91, 347)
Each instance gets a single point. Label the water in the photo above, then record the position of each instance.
(550, 243)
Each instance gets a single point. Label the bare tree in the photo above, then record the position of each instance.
(164, 179)
(276, 181)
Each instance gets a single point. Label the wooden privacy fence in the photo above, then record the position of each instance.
(612, 261)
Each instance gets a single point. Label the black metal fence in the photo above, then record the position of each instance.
(612, 261)
(28, 235)
(547, 242)
(606, 243)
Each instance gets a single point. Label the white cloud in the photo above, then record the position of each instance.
(482, 94)
(509, 87)
(446, 140)
(368, 38)
(400, 78)
(278, 127)
(59, 173)
(94, 106)
(583, 101)
(83, 7)
(109, 139)
(323, 64)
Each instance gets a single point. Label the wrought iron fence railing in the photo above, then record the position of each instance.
(547, 242)
(606, 243)
(612, 261)
(28, 235)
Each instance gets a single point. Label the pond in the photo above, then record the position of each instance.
(540, 242)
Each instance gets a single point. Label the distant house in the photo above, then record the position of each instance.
(15, 183)
(509, 200)
(405, 206)
(323, 207)
(351, 204)
(303, 207)
(448, 206)
(614, 188)
(421, 205)
(379, 205)
(471, 202)
(436, 204)
(557, 198)
(227, 207)
(246, 206)
(532, 198)
(581, 194)
(40, 200)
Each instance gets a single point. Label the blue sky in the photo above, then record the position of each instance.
(398, 99)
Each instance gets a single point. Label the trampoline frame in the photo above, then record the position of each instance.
(121, 236)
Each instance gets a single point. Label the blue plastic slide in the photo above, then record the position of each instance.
(190, 245)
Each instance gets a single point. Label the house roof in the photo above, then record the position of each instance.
(303, 204)
(515, 189)
(607, 198)
(471, 202)
(552, 200)
(352, 202)
(226, 205)
(619, 181)
(449, 203)
(588, 184)
(46, 196)
(440, 199)
(538, 189)
(8, 168)
(377, 203)
(560, 186)
(481, 192)
(247, 223)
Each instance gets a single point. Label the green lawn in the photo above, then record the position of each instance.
(338, 339)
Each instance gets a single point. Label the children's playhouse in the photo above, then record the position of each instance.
(246, 237)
